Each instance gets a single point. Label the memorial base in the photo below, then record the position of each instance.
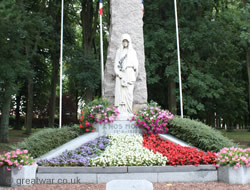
(116, 127)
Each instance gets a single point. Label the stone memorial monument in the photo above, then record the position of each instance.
(125, 75)
(126, 22)
(126, 71)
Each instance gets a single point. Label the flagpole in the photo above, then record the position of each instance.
(102, 64)
(61, 67)
(178, 54)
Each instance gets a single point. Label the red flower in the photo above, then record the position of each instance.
(86, 123)
(80, 125)
(176, 154)
(87, 130)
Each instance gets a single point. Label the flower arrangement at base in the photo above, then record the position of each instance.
(176, 154)
(18, 158)
(97, 111)
(127, 150)
(152, 120)
(234, 157)
(99, 114)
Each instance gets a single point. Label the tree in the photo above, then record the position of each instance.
(212, 62)
(11, 58)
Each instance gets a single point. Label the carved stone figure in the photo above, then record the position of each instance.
(126, 71)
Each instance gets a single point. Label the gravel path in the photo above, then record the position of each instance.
(157, 186)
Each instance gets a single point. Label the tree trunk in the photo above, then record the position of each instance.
(210, 119)
(29, 114)
(248, 72)
(5, 116)
(17, 112)
(245, 2)
(54, 80)
(89, 18)
(76, 104)
(172, 97)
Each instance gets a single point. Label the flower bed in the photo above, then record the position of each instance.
(80, 156)
(18, 158)
(131, 150)
(176, 154)
(127, 150)
(234, 157)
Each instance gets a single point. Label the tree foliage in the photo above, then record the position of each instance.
(212, 57)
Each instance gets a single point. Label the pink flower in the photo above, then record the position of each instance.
(235, 167)
(10, 163)
(25, 151)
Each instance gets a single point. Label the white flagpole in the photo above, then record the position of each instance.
(178, 54)
(61, 67)
(102, 65)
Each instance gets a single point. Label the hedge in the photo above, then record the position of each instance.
(198, 134)
(45, 140)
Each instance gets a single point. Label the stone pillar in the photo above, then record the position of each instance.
(126, 17)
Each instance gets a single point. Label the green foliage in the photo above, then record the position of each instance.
(99, 101)
(213, 36)
(83, 73)
(45, 140)
(198, 134)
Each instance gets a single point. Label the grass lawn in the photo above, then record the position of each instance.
(241, 137)
(15, 136)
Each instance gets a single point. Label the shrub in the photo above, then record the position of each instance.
(198, 134)
(47, 139)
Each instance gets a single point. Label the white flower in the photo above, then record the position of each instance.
(127, 150)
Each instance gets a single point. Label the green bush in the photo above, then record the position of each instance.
(198, 134)
(47, 139)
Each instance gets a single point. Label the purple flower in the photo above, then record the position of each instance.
(79, 156)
